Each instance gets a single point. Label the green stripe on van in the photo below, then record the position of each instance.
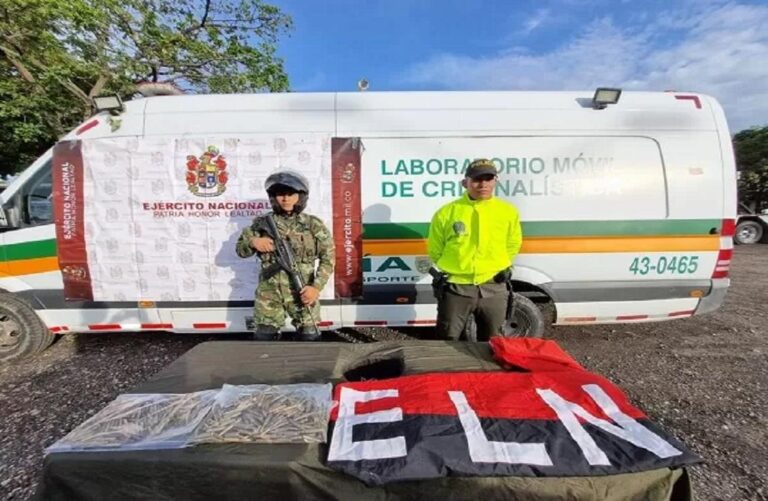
(406, 231)
(28, 250)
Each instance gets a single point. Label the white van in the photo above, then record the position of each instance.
(628, 209)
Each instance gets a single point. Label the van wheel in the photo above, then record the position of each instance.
(527, 321)
(22, 333)
(748, 232)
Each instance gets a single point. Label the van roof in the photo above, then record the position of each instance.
(523, 100)
(368, 114)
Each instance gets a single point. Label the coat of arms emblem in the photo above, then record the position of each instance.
(207, 174)
(348, 173)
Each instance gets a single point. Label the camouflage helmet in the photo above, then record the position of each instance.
(289, 178)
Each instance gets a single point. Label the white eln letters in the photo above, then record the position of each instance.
(628, 429)
(482, 450)
(342, 447)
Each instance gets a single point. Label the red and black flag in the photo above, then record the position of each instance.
(550, 418)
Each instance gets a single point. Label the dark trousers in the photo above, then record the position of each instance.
(460, 301)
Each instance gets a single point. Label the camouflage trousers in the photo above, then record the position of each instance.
(275, 299)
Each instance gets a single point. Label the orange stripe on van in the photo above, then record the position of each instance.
(30, 266)
(569, 245)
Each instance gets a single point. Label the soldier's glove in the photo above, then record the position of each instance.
(439, 282)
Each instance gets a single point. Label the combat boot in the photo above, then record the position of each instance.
(307, 333)
(265, 332)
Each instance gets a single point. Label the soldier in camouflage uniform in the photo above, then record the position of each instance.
(311, 242)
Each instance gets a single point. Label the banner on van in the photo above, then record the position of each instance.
(68, 213)
(348, 225)
(157, 218)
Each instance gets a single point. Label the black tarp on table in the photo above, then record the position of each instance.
(296, 471)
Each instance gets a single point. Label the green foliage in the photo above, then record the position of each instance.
(55, 55)
(751, 147)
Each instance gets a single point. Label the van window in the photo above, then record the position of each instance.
(38, 198)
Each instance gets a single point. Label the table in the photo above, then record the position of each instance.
(297, 471)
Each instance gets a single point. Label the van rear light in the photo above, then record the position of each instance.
(694, 99)
(90, 125)
(723, 265)
(729, 228)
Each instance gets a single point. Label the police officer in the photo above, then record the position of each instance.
(313, 248)
(473, 242)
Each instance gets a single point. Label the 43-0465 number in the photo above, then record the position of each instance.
(680, 265)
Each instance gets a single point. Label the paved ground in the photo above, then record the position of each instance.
(703, 379)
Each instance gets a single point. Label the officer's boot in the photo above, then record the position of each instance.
(265, 332)
(307, 333)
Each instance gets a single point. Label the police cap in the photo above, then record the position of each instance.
(481, 167)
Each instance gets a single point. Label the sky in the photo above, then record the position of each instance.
(713, 47)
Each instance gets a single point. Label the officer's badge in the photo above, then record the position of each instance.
(459, 228)
(207, 174)
(423, 263)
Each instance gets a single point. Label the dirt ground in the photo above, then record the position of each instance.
(702, 379)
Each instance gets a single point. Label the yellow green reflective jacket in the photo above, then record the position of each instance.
(472, 240)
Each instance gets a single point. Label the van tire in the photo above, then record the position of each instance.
(527, 321)
(748, 232)
(22, 333)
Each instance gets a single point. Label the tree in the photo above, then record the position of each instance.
(56, 55)
(751, 147)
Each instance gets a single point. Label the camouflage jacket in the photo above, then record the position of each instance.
(308, 236)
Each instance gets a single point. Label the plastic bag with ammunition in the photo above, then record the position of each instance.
(134, 422)
(292, 413)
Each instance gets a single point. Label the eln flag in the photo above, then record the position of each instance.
(551, 417)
